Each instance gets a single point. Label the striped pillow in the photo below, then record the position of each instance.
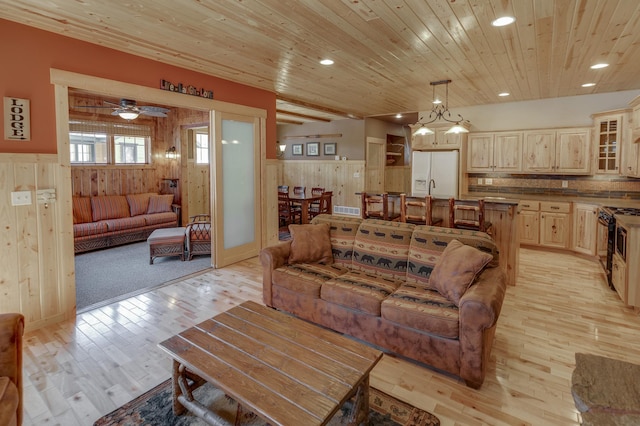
(109, 207)
(139, 203)
(81, 210)
(160, 203)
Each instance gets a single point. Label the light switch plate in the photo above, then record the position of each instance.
(488, 181)
(21, 198)
(565, 183)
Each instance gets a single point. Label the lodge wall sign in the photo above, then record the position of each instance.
(17, 119)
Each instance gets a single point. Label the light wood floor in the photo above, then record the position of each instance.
(78, 371)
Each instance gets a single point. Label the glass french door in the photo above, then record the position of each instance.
(235, 187)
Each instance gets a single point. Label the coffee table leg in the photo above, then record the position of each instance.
(360, 413)
(178, 408)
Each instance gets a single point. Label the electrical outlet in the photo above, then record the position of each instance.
(488, 181)
(565, 183)
(21, 198)
(479, 181)
(356, 175)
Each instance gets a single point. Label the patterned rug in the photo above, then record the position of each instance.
(154, 408)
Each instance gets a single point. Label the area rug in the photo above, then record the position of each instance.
(155, 408)
(117, 272)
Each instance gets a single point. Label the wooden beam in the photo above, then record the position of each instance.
(297, 114)
(332, 135)
(281, 120)
(317, 107)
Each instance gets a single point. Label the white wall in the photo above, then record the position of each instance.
(572, 111)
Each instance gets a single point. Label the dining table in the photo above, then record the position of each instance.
(304, 201)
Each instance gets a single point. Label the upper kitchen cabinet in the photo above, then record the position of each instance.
(608, 132)
(438, 140)
(495, 152)
(560, 151)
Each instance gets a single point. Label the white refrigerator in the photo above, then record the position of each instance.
(435, 173)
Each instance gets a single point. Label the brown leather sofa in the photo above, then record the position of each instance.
(11, 330)
(395, 285)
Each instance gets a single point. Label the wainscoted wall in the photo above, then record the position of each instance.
(597, 186)
(35, 279)
(344, 178)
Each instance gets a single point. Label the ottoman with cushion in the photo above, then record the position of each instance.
(166, 242)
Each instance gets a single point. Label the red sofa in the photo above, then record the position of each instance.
(110, 220)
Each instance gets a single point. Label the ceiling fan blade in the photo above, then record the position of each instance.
(153, 109)
(152, 113)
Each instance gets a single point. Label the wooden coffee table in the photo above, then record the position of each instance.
(285, 370)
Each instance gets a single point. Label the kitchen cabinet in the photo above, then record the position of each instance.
(560, 151)
(619, 277)
(555, 224)
(552, 221)
(585, 228)
(529, 222)
(608, 131)
(625, 274)
(495, 152)
(438, 140)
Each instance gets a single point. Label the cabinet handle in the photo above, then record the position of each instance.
(555, 208)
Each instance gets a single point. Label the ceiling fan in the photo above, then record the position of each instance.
(129, 109)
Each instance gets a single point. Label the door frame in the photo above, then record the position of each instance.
(62, 80)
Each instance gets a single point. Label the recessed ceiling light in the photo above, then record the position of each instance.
(503, 20)
(398, 115)
(598, 66)
(588, 85)
(504, 94)
(326, 62)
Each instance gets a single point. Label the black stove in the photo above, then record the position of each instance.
(627, 211)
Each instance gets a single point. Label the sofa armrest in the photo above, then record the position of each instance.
(480, 308)
(272, 258)
(11, 331)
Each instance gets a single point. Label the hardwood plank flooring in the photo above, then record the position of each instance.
(79, 370)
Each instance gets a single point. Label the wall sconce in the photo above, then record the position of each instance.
(280, 148)
(171, 153)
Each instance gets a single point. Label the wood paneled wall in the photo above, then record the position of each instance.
(114, 180)
(344, 178)
(35, 279)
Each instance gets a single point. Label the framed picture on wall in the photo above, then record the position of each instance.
(330, 148)
(313, 148)
(296, 149)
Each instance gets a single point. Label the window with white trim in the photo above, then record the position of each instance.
(202, 148)
(95, 142)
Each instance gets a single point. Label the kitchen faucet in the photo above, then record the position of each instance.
(434, 185)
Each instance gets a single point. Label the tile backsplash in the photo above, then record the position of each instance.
(597, 186)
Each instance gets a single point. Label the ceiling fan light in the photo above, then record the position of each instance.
(128, 115)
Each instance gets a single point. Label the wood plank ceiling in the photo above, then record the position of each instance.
(385, 51)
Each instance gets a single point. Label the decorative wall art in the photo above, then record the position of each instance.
(329, 149)
(313, 149)
(296, 149)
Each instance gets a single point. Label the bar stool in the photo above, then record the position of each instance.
(468, 215)
(410, 205)
(377, 207)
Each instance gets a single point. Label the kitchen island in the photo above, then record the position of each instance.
(503, 215)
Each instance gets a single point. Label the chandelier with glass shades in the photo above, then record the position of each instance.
(440, 111)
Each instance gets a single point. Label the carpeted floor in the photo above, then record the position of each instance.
(105, 275)
(155, 408)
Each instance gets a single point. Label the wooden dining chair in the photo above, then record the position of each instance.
(286, 213)
(324, 205)
(468, 215)
(376, 206)
(284, 189)
(315, 191)
(418, 210)
(299, 190)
